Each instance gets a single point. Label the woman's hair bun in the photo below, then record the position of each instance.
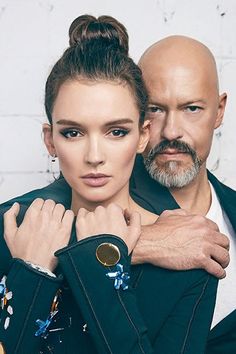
(85, 28)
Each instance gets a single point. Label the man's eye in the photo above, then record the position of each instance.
(193, 109)
(118, 132)
(71, 133)
(154, 109)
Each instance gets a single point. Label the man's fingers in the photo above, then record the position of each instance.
(220, 255)
(215, 269)
(10, 225)
(212, 224)
(221, 240)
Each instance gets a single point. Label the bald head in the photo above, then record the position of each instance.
(176, 52)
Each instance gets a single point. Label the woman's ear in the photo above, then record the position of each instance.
(144, 136)
(48, 139)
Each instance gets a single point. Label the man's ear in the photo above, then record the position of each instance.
(48, 139)
(221, 109)
(144, 136)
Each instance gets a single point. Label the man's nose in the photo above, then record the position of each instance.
(172, 128)
(94, 154)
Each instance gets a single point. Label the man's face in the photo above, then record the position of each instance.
(184, 109)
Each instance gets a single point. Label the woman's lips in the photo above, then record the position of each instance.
(96, 180)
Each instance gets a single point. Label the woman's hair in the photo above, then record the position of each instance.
(98, 51)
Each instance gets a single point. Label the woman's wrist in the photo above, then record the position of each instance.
(40, 269)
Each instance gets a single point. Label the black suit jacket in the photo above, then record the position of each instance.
(156, 198)
(162, 312)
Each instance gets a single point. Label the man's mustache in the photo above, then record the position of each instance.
(178, 145)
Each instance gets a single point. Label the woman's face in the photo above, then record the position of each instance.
(95, 136)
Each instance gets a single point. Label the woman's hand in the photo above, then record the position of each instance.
(45, 229)
(110, 220)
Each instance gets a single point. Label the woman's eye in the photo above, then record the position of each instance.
(118, 132)
(72, 133)
(154, 109)
(193, 109)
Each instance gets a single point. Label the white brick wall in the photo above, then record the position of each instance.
(33, 33)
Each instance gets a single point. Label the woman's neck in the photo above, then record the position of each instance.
(122, 198)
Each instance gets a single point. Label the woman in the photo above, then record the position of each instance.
(85, 297)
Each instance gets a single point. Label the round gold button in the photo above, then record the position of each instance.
(108, 254)
(2, 351)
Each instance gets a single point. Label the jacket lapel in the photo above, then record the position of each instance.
(227, 198)
(227, 325)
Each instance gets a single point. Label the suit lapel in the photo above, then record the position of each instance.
(223, 327)
(227, 198)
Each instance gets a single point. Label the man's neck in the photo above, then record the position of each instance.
(195, 197)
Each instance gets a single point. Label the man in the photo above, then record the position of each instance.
(179, 240)
(185, 107)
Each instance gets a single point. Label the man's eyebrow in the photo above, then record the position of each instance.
(195, 101)
(183, 102)
(155, 103)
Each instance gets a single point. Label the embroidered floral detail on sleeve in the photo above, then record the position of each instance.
(44, 325)
(3, 286)
(120, 278)
(6, 296)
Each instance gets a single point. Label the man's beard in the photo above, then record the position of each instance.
(171, 174)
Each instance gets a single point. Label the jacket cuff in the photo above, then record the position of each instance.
(111, 314)
(25, 304)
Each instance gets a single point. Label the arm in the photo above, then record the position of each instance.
(186, 330)
(114, 320)
(112, 316)
(181, 241)
(46, 227)
(32, 294)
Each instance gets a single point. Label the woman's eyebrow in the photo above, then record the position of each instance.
(113, 122)
(67, 122)
(119, 121)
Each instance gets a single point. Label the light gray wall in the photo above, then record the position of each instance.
(33, 33)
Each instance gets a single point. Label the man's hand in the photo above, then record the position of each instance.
(181, 241)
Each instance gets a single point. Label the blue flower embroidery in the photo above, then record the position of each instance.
(43, 325)
(121, 278)
(5, 296)
(3, 288)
